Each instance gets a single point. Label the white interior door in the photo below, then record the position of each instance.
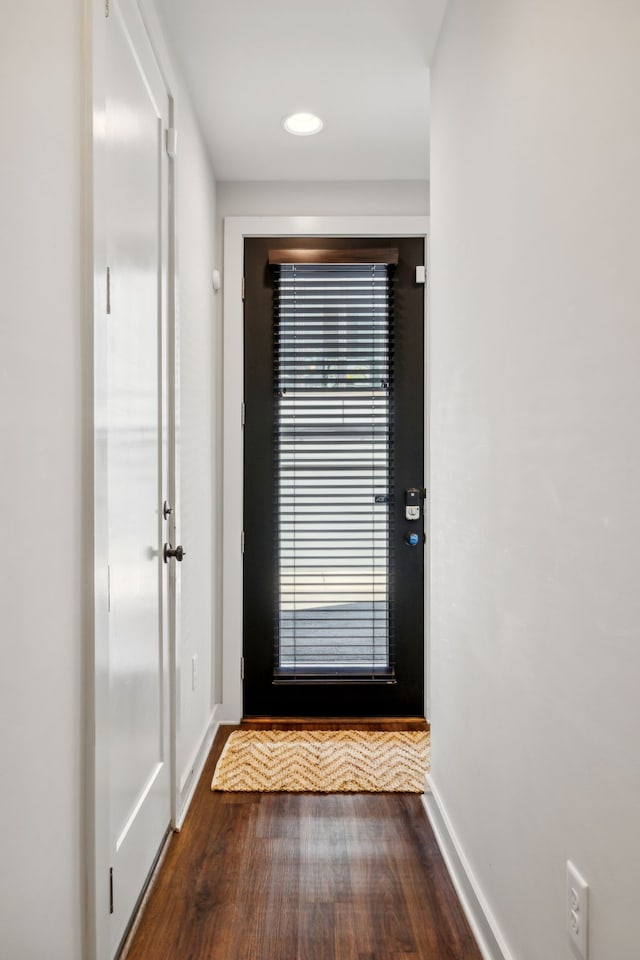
(139, 768)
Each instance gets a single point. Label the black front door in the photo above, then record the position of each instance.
(333, 478)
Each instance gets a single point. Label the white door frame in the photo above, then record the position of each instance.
(235, 231)
(96, 791)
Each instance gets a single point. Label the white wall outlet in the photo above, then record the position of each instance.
(194, 671)
(577, 911)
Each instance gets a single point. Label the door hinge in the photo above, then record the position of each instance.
(243, 288)
(242, 668)
(172, 142)
(110, 889)
(108, 290)
(106, 8)
(242, 541)
(243, 414)
(421, 274)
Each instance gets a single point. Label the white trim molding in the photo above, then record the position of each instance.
(485, 928)
(190, 780)
(235, 231)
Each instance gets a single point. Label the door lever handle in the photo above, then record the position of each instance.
(176, 552)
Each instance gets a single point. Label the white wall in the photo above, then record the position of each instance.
(535, 626)
(41, 334)
(322, 198)
(43, 383)
(277, 198)
(199, 412)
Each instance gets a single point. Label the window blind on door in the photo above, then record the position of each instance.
(333, 376)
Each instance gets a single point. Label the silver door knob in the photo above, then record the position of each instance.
(176, 552)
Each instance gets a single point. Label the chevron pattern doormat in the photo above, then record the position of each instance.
(323, 761)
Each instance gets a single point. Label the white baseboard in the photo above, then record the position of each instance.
(190, 781)
(482, 922)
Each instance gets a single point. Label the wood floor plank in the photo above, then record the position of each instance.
(302, 877)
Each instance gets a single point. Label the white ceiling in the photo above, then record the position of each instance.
(362, 65)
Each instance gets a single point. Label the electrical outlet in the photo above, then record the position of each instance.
(194, 671)
(577, 911)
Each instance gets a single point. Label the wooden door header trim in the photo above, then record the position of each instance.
(388, 255)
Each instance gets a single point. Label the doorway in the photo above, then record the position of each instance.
(132, 756)
(333, 619)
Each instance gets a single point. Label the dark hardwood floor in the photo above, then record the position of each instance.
(302, 877)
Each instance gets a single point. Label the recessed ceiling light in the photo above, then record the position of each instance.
(303, 124)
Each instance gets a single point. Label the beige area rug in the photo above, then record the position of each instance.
(323, 761)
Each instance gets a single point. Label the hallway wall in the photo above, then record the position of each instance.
(41, 384)
(325, 198)
(535, 626)
(45, 390)
(321, 198)
(200, 346)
